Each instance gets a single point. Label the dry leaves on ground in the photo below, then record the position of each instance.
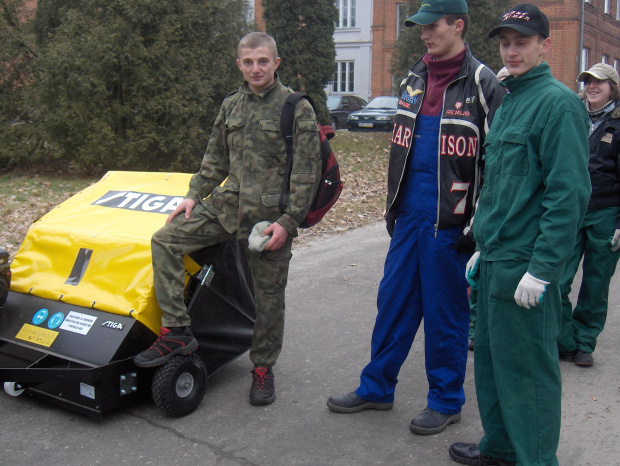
(363, 159)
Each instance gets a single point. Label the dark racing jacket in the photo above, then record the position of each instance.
(604, 164)
(469, 104)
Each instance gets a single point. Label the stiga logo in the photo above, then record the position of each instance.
(112, 324)
(144, 202)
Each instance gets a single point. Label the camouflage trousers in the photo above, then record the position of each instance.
(269, 271)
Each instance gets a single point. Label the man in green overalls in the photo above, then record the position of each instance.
(534, 197)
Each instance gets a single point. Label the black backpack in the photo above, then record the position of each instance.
(331, 186)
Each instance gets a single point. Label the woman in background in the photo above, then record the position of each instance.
(598, 238)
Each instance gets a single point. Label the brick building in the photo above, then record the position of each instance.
(583, 32)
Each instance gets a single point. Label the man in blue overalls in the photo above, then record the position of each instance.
(447, 101)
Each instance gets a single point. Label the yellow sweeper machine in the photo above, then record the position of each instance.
(77, 302)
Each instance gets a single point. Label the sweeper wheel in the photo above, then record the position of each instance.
(179, 386)
(13, 388)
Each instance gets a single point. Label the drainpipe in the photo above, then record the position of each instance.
(582, 66)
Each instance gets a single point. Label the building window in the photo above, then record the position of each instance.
(606, 8)
(616, 64)
(402, 13)
(583, 66)
(588, 1)
(344, 77)
(617, 10)
(249, 12)
(605, 59)
(585, 57)
(346, 13)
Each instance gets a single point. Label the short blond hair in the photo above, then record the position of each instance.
(254, 40)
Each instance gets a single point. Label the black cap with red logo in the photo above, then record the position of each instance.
(524, 18)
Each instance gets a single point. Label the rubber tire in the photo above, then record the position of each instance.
(334, 124)
(11, 390)
(164, 388)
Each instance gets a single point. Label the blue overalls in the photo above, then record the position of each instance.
(423, 277)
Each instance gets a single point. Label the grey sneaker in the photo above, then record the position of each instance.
(351, 403)
(583, 359)
(166, 346)
(568, 356)
(263, 390)
(430, 422)
(468, 453)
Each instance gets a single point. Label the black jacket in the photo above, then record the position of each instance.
(470, 102)
(604, 163)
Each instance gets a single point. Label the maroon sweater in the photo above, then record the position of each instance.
(440, 74)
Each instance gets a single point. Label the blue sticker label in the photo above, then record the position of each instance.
(55, 320)
(40, 316)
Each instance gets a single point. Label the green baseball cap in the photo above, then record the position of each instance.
(431, 10)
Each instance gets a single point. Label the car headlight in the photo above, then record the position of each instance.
(384, 118)
(353, 117)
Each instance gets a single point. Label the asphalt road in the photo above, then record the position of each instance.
(330, 313)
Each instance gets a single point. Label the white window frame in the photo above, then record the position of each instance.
(346, 13)
(607, 7)
(585, 57)
(616, 65)
(346, 85)
(250, 12)
(605, 59)
(617, 10)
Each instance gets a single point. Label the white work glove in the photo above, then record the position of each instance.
(530, 291)
(256, 240)
(615, 243)
(471, 270)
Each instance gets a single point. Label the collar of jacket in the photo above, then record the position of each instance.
(616, 112)
(467, 67)
(245, 87)
(527, 80)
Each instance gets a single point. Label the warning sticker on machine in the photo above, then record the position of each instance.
(87, 390)
(78, 323)
(37, 335)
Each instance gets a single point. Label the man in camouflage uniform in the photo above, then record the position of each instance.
(237, 186)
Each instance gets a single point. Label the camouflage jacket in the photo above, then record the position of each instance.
(243, 168)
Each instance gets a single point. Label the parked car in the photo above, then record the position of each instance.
(340, 106)
(378, 115)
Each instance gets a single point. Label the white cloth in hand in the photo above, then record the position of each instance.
(471, 270)
(256, 240)
(615, 242)
(530, 291)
